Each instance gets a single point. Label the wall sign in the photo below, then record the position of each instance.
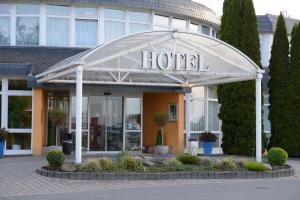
(171, 61)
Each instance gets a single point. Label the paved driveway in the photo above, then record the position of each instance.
(18, 180)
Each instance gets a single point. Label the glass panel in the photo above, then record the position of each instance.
(194, 28)
(84, 140)
(197, 92)
(197, 115)
(86, 32)
(114, 14)
(58, 10)
(113, 30)
(4, 9)
(85, 113)
(179, 24)
(212, 92)
(19, 112)
(58, 31)
(139, 17)
(215, 144)
(18, 141)
(161, 22)
(213, 119)
(133, 141)
(27, 9)
(134, 28)
(4, 30)
(18, 85)
(205, 30)
(133, 114)
(27, 31)
(86, 12)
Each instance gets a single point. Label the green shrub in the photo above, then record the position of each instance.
(106, 164)
(277, 156)
(55, 159)
(254, 166)
(173, 164)
(159, 138)
(227, 164)
(208, 164)
(188, 159)
(122, 154)
(130, 163)
(91, 165)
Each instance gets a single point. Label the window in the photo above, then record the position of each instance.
(138, 22)
(194, 28)
(19, 112)
(161, 22)
(179, 24)
(197, 116)
(4, 24)
(58, 25)
(114, 24)
(266, 121)
(18, 85)
(205, 30)
(86, 26)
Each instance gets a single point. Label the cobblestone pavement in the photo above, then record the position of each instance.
(18, 178)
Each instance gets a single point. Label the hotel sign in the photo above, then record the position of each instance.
(173, 61)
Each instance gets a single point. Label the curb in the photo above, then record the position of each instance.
(167, 176)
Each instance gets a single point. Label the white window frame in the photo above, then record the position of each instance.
(125, 21)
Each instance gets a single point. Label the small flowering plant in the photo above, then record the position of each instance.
(3, 134)
(207, 137)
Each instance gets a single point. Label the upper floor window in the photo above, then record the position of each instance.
(114, 24)
(179, 24)
(4, 24)
(86, 26)
(205, 30)
(27, 24)
(161, 22)
(138, 22)
(194, 27)
(58, 25)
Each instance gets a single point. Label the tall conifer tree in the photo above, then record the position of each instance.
(278, 85)
(239, 28)
(291, 142)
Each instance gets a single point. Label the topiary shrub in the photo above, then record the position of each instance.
(173, 164)
(106, 164)
(277, 156)
(91, 165)
(188, 159)
(130, 163)
(254, 166)
(55, 159)
(227, 164)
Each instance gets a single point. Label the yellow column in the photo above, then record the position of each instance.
(39, 125)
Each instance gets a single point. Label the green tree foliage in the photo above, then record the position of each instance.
(291, 141)
(278, 85)
(237, 112)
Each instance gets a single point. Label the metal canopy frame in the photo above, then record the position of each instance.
(121, 63)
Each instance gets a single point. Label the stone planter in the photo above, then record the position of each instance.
(162, 150)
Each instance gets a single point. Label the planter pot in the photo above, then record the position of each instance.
(207, 148)
(1, 148)
(16, 147)
(162, 150)
(193, 147)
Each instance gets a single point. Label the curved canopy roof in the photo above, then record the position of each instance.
(157, 58)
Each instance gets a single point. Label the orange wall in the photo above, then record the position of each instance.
(39, 122)
(173, 131)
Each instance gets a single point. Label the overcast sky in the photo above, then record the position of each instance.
(262, 6)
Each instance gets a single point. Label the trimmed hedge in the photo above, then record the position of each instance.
(277, 156)
(254, 166)
(55, 159)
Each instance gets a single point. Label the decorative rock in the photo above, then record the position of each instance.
(268, 166)
(68, 167)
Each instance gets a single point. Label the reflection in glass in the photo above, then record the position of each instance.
(18, 141)
(18, 85)
(19, 112)
(133, 141)
(4, 31)
(85, 113)
(133, 114)
(27, 31)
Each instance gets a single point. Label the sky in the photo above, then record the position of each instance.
(292, 7)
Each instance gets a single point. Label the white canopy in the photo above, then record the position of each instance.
(144, 58)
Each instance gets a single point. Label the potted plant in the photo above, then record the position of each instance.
(3, 137)
(161, 119)
(193, 146)
(57, 117)
(208, 139)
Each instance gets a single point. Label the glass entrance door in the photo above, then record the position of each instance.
(106, 123)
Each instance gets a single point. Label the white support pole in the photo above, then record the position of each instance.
(187, 118)
(79, 72)
(258, 118)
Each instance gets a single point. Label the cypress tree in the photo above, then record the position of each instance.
(291, 142)
(278, 85)
(237, 112)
